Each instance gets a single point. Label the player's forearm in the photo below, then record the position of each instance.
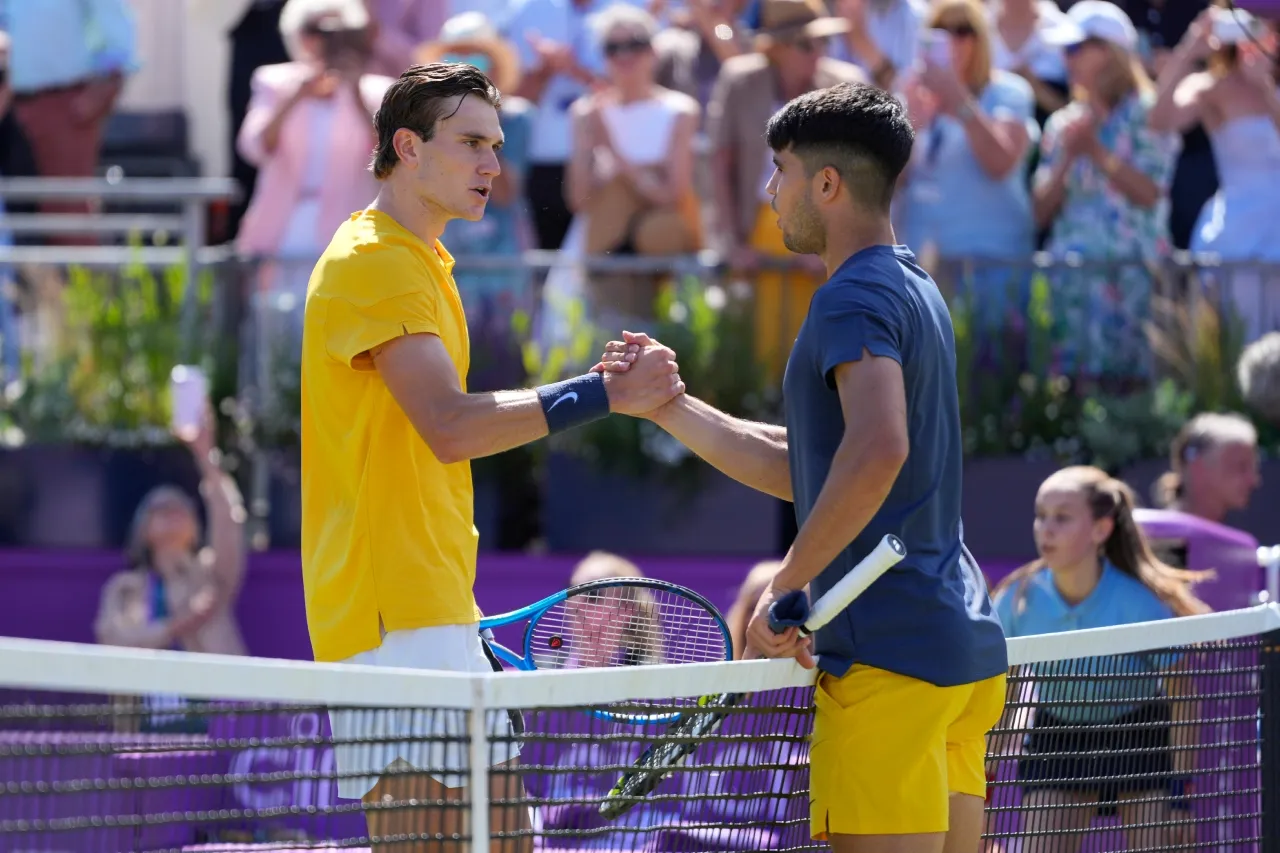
(476, 425)
(863, 471)
(754, 454)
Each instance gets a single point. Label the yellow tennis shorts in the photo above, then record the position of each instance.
(888, 750)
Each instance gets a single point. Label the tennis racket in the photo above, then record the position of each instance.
(684, 734)
(617, 622)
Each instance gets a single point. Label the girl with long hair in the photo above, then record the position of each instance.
(1101, 740)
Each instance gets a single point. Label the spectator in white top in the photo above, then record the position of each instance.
(631, 172)
(560, 62)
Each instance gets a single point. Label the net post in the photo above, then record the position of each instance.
(478, 753)
(1270, 742)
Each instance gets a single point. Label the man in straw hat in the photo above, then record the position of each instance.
(913, 672)
(388, 432)
(789, 60)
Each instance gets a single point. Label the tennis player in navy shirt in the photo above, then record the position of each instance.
(913, 672)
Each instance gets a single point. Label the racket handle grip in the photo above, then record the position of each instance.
(790, 611)
(883, 557)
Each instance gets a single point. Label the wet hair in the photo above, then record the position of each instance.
(1198, 436)
(417, 101)
(1126, 548)
(860, 131)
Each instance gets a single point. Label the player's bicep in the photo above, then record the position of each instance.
(420, 375)
(873, 399)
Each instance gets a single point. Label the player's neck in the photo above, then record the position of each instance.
(846, 239)
(411, 212)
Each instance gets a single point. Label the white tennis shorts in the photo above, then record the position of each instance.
(435, 737)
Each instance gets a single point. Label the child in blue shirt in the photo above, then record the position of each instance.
(1110, 738)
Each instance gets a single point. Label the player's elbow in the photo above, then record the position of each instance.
(447, 443)
(886, 450)
(448, 450)
(443, 429)
(892, 449)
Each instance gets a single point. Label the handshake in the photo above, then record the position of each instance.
(640, 375)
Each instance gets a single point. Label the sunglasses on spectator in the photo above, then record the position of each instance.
(958, 30)
(622, 47)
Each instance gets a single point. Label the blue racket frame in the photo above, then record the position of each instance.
(534, 612)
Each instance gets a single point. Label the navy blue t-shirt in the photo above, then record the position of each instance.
(930, 617)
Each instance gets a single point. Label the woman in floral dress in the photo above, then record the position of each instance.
(1102, 189)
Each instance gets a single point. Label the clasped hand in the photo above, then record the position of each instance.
(640, 374)
(638, 355)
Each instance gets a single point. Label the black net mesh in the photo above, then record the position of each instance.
(1157, 750)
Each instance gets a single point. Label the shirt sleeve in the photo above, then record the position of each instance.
(113, 37)
(352, 329)
(1012, 99)
(853, 319)
(1150, 608)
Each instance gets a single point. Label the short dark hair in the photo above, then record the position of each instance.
(417, 101)
(859, 130)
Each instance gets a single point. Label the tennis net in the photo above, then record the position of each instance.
(1161, 736)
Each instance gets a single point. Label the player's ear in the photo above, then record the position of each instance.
(405, 142)
(828, 183)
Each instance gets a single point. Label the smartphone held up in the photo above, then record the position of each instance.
(189, 397)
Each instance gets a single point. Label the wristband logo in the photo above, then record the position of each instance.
(572, 395)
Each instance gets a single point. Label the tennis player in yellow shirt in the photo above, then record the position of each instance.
(388, 429)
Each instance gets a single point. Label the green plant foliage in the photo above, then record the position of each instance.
(1012, 399)
(710, 327)
(108, 382)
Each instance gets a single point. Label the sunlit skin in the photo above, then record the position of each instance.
(1222, 480)
(600, 626)
(792, 200)
(1085, 62)
(1068, 538)
(449, 176)
(170, 530)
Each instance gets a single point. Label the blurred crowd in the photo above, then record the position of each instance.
(1097, 132)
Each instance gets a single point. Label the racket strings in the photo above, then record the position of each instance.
(626, 626)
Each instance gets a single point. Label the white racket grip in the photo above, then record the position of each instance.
(886, 555)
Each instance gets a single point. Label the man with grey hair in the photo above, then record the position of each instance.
(1258, 373)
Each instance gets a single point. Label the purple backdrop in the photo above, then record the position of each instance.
(53, 595)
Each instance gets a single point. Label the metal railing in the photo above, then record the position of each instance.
(185, 202)
(261, 319)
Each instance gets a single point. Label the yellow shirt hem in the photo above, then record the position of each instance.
(339, 652)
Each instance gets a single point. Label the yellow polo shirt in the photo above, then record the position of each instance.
(387, 529)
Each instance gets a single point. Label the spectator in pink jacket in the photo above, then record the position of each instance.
(309, 131)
